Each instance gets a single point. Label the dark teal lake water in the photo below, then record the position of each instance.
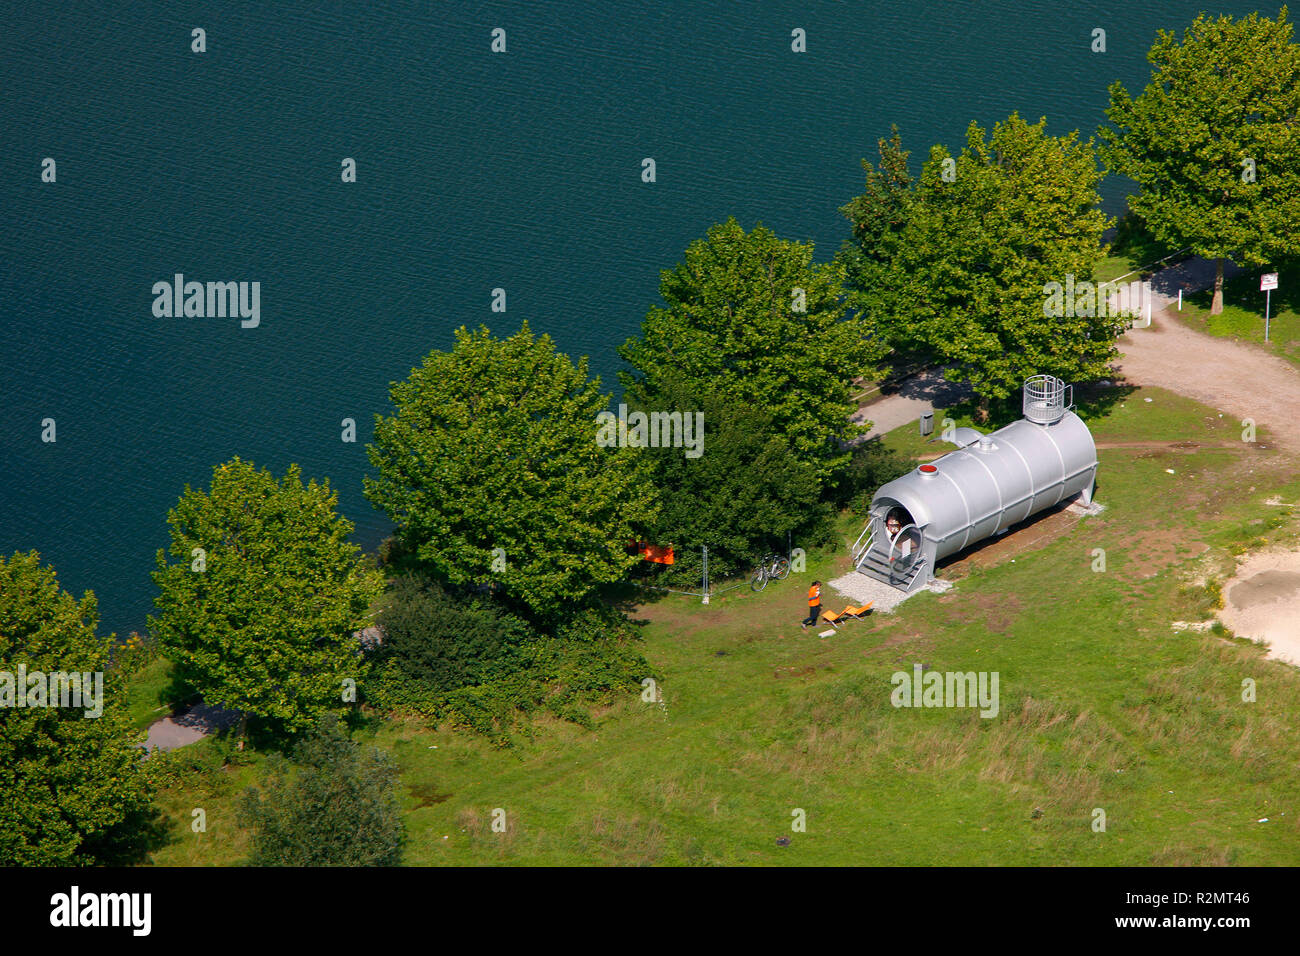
(475, 171)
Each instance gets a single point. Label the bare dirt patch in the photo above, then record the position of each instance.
(1035, 532)
(1154, 550)
(793, 671)
(1262, 602)
(999, 612)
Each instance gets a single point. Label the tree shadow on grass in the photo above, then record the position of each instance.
(142, 833)
(1092, 401)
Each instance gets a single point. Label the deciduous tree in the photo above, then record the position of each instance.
(70, 783)
(491, 470)
(263, 591)
(750, 317)
(1213, 142)
(985, 233)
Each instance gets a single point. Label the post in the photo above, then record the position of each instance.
(1180, 299)
(705, 589)
(1267, 283)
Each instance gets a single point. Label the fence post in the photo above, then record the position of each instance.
(705, 590)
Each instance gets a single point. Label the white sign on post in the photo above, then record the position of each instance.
(1267, 283)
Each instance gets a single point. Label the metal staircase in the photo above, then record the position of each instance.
(877, 566)
(885, 566)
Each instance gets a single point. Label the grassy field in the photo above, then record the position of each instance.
(1103, 705)
(1243, 313)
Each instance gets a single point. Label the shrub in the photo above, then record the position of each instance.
(591, 659)
(871, 466)
(443, 641)
(338, 807)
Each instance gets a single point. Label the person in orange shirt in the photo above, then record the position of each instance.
(814, 604)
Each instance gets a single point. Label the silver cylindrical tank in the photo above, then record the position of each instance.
(992, 483)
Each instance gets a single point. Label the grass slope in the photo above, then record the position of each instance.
(1103, 706)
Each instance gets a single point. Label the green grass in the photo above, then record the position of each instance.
(1243, 313)
(1103, 705)
(1112, 267)
(1115, 415)
(206, 778)
(145, 692)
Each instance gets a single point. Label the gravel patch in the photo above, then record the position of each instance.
(859, 588)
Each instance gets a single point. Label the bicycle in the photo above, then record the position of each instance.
(773, 566)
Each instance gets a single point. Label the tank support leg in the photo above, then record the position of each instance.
(1086, 495)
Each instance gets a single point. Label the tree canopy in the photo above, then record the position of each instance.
(1213, 142)
(751, 318)
(963, 267)
(70, 781)
(741, 498)
(258, 605)
(491, 470)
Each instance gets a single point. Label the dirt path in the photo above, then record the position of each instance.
(1239, 379)
(1234, 377)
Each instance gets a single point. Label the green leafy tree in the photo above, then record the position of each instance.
(70, 784)
(986, 233)
(1213, 142)
(258, 605)
(749, 317)
(879, 216)
(493, 475)
(744, 495)
(337, 807)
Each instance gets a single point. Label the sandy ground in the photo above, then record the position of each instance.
(1262, 602)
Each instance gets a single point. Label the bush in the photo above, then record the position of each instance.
(443, 641)
(339, 808)
(592, 659)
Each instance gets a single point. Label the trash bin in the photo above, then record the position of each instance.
(927, 423)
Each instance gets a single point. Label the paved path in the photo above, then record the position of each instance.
(188, 727)
(918, 394)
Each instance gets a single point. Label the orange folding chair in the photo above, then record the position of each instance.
(833, 619)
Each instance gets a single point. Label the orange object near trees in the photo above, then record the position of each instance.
(659, 554)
